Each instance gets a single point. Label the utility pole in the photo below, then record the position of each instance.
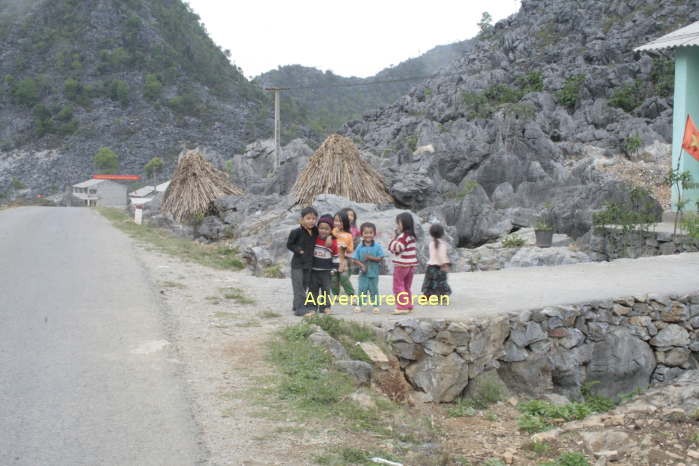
(277, 125)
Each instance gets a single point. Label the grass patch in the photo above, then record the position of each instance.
(270, 315)
(177, 285)
(538, 415)
(569, 459)
(237, 295)
(213, 299)
(351, 455)
(225, 315)
(540, 448)
(513, 241)
(486, 391)
(273, 271)
(249, 323)
(165, 242)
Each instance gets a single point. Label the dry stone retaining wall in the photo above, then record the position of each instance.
(609, 244)
(614, 346)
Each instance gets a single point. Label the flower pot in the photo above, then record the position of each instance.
(544, 238)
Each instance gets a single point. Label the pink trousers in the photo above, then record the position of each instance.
(402, 283)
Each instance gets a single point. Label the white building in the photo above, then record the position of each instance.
(103, 193)
(146, 194)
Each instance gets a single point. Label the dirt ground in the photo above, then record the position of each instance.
(220, 322)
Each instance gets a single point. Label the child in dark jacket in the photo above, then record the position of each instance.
(325, 254)
(302, 242)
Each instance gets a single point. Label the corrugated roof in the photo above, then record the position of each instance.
(87, 184)
(686, 36)
(162, 187)
(142, 192)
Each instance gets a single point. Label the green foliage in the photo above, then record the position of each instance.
(72, 89)
(463, 407)
(152, 88)
(569, 94)
(532, 81)
(569, 459)
(662, 76)
(637, 212)
(113, 60)
(478, 105)
(681, 181)
(273, 271)
(467, 188)
(42, 119)
(501, 94)
(118, 91)
(632, 145)
(66, 113)
(485, 25)
(187, 104)
(154, 167)
(537, 415)
(513, 241)
(26, 92)
(17, 185)
(627, 97)
(690, 225)
(106, 161)
(338, 327)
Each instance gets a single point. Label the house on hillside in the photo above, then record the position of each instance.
(102, 193)
(146, 194)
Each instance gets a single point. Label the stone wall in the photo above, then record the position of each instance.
(613, 346)
(609, 244)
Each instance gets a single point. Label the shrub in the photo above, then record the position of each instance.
(632, 144)
(532, 81)
(569, 94)
(152, 87)
(66, 113)
(690, 224)
(118, 91)
(106, 161)
(627, 97)
(513, 241)
(502, 93)
(72, 89)
(26, 92)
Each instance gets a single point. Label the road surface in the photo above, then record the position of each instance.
(87, 374)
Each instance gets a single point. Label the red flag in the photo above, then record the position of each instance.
(690, 141)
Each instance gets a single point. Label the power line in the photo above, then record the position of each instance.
(374, 83)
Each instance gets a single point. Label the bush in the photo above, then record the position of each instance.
(26, 92)
(569, 94)
(502, 94)
(66, 113)
(532, 81)
(152, 87)
(72, 89)
(106, 161)
(513, 241)
(626, 98)
(632, 145)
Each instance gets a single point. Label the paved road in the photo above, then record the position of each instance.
(479, 294)
(86, 374)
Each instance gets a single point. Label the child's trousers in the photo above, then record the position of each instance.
(300, 282)
(369, 287)
(402, 283)
(342, 280)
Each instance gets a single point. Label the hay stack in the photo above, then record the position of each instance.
(337, 168)
(195, 185)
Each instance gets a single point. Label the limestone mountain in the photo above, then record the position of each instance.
(323, 101)
(140, 77)
(503, 127)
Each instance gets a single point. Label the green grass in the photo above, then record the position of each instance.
(273, 271)
(169, 284)
(537, 415)
(352, 455)
(486, 391)
(163, 241)
(569, 459)
(237, 295)
(270, 315)
(540, 448)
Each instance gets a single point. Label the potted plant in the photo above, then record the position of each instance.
(543, 229)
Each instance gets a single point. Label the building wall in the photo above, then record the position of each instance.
(686, 102)
(111, 194)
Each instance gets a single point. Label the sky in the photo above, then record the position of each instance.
(350, 37)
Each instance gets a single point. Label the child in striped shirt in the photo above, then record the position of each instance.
(403, 246)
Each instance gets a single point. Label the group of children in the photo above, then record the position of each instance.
(328, 249)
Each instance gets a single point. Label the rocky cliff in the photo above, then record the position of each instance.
(140, 77)
(517, 121)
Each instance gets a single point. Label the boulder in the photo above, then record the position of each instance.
(442, 378)
(358, 370)
(621, 363)
(531, 377)
(672, 335)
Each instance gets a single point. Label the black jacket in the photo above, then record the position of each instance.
(300, 240)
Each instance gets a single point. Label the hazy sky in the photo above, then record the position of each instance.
(350, 37)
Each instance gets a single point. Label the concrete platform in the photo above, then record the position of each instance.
(477, 294)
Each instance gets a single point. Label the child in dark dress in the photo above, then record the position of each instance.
(435, 282)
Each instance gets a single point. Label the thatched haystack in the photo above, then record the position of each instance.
(195, 185)
(337, 168)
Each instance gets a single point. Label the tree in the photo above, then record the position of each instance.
(153, 168)
(486, 23)
(106, 161)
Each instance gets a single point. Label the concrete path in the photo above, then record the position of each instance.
(478, 294)
(87, 375)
